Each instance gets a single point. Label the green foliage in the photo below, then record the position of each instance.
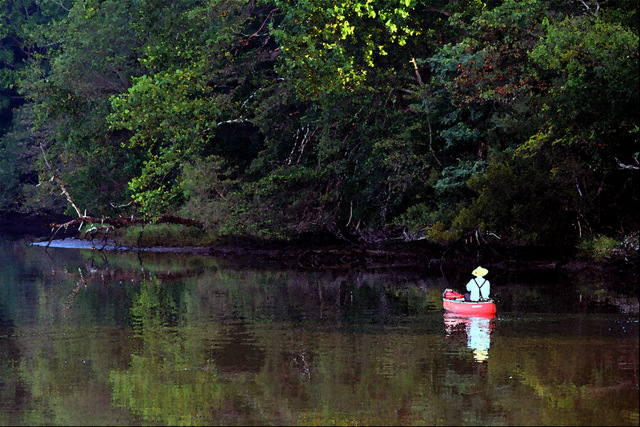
(173, 111)
(598, 248)
(77, 62)
(440, 234)
(9, 182)
(284, 203)
(208, 186)
(171, 116)
(278, 118)
(591, 62)
(329, 47)
(173, 235)
(503, 205)
(543, 88)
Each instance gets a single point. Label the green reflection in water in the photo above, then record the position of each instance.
(181, 340)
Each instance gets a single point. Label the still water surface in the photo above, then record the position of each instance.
(121, 338)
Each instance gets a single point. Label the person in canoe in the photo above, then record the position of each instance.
(478, 287)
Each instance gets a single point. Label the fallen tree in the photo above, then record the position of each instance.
(107, 224)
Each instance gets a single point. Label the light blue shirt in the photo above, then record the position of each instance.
(478, 287)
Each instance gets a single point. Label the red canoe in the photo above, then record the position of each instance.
(484, 308)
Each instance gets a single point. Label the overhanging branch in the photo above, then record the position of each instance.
(626, 166)
(106, 222)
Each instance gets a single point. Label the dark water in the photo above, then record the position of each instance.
(120, 338)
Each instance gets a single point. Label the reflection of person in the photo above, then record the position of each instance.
(478, 331)
(478, 287)
(479, 337)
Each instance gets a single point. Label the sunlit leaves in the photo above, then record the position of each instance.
(173, 115)
(329, 47)
(172, 106)
(172, 111)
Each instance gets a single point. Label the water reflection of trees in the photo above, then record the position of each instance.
(221, 370)
(220, 346)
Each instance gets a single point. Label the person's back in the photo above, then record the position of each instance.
(478, 287)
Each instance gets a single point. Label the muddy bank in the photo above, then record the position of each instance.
(619, 274)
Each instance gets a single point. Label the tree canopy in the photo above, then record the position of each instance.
(517, 119)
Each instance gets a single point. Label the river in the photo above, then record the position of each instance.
(90, 337)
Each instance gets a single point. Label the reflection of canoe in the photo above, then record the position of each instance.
(485, 308)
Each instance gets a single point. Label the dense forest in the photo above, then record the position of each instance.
(514, 120)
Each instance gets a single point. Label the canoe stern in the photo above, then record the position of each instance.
(480, 308)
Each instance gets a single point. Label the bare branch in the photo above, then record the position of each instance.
(121, 206)
(123, 222)
(415, 66)
(625, 166)
(61, 183)
(265, 21)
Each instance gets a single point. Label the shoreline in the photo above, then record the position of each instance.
(614, 275)
(317, 252)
